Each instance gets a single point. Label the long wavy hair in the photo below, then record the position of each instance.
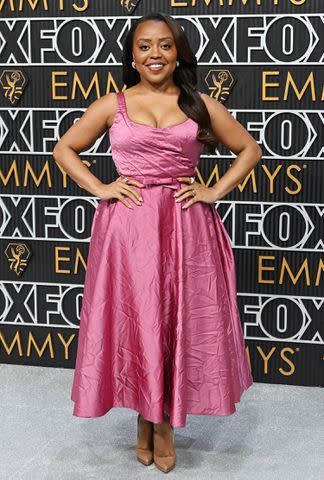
(184, 76)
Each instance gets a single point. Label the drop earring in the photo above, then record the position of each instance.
(133, 64)
(177, 63)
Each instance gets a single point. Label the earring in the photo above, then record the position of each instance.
(177, 63)
(133, 64)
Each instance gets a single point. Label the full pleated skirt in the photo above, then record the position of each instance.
(160, 329)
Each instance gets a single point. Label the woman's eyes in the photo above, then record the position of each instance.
(164, 45)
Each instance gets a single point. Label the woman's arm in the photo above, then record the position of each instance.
(82, 135)
(237, 139)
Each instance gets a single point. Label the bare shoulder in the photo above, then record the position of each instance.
(111, 106)
(228, 130)
(207, 99)
(131, 90)
(109, 101)
(213, 106)
(105, 108)
(92, 124)
(110, 98)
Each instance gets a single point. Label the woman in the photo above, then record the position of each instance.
(159, 330)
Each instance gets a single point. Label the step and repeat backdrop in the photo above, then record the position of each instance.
(262, 59)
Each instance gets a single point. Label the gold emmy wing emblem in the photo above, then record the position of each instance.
(17, 254)
(129, 5)
(13, 83)
(220, 83)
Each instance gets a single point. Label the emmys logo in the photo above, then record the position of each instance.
(129, 5)
(13, 83)
(18, 254)
(220, 83)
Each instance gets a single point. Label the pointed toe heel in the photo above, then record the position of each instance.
(144, 447)
(164, 451)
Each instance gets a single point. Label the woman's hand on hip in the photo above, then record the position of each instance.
(195, 192)
(120, 189)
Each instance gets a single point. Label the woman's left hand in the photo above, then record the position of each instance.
(202, 193)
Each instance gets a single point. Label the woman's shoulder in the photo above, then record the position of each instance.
(208, 101)
(206, 98)
(107, 100)
(108, 105)
(212, 104)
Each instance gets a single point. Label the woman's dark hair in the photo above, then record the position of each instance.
(184, 76)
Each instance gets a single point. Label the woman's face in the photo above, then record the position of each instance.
(154, 45)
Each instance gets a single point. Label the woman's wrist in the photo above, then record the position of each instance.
(97, 189)
(216, 195)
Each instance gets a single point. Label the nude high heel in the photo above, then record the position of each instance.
(164, 451)
(144, 448)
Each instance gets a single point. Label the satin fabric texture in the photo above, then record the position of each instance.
(160, 329)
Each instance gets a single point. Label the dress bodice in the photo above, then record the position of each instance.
(140, 150)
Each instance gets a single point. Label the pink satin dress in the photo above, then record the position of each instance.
(160, 329)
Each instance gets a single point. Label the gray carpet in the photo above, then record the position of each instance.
(276, 433)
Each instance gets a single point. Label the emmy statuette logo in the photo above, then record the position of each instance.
(18, 255)
(129, 5)
(13, 83)
(220, 83)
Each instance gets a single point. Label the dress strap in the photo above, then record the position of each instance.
(121, 102)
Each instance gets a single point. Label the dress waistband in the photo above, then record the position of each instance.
(147, 180)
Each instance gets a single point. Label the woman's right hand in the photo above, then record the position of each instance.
(118, 189)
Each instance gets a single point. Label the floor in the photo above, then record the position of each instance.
(276, 433)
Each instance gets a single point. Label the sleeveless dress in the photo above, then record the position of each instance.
(160, 329)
